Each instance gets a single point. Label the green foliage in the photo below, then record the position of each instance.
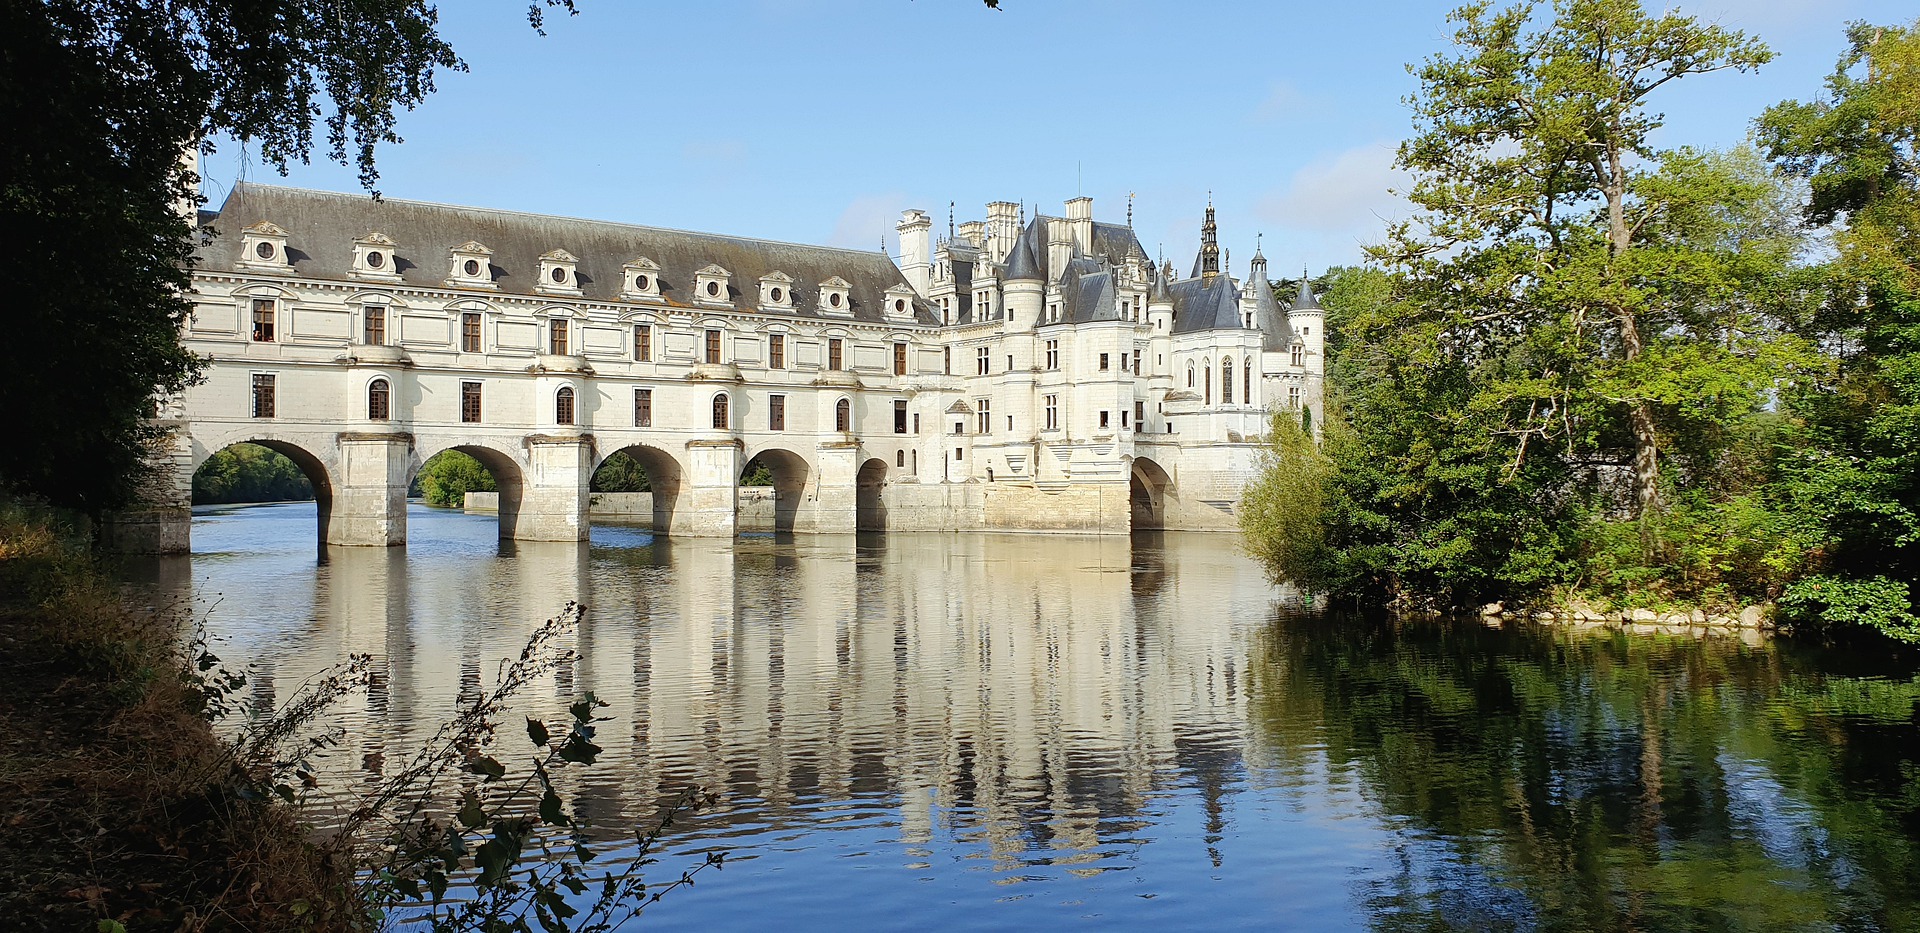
(1874, 603)
(249, 473)
(621, 473)
(757, 473)
(1280, 511)
(449, 475)
(99, 101)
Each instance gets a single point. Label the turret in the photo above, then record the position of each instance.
(1308, 323)
(914, 229)
(1267, 315)
(1206, 265)
(1025, 289)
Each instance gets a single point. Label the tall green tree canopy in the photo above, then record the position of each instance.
(99, 99)
(1853, 485)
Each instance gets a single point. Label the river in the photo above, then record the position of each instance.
(997, 732)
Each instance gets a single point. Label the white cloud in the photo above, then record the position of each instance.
(1338, 203)
(866, 219)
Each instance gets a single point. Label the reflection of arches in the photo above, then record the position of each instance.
(663, 477)
(311, 466)
(790, 474)
(506, 473)
(870, 507)
(1148, 487)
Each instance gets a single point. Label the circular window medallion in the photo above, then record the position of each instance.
(776, 295)
(471, 267)
(899, 305)
(713, 288)
(263, 249)
(834, 299)
(640, 283)
(375, 260)
(560, 275)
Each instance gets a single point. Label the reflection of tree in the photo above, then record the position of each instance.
(1555, 780)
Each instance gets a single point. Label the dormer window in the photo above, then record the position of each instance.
(899, 302)
(472, 266)
(373, 258)
(263, 246)
(776, 291)
(558, 273)
(836, 296)
(640, 279)
(712, 286)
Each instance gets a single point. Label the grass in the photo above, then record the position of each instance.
(119, 802)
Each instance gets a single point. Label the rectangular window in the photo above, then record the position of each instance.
(263, 395)
(959, 454)
(263, 320)
(643, 342)
(376, 325)
(1103, 418)
(899, 416)
(916, 424)
(1053, 354)
(1136, 362)
(470, 402)
(1009, 424)
(984, 360)
(776, 351)
(1296, 356)
(1139, 414)
(1053, 412)
(713, 346)
(470, 332)
(643, 408)
(1123, 417)
(1293, 397)
(946, 364)
(776, 413)
(899, 359)
(557, 337)
(985, 407)
(836, 353)
(1103, 363)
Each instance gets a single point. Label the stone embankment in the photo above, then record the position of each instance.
(1749, 624)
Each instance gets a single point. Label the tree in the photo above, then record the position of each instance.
(1533, 166)
(1852, 491)
(249, 473)
(449, 475)
(100, 100)
(621, 473)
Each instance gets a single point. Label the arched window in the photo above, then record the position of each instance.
(1226, 380)
(563, 405)
(720, 421)
(379, 405)
(1206, 380)
(843, 415)
(1246, 385)
(1189, 374)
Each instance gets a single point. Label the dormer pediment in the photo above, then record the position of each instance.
(473, 246)
(471, 266)
(712, 285)
(776, 291)
(266, 228)
(959, 407)
(373, 257)
(899, 301)
(558, 273)
(836, 296)
(640, 279)
(263, 247)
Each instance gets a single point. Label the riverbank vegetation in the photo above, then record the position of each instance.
(1592, 368)
(249, 473)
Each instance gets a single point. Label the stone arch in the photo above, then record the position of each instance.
(793, 476)
(1148, 487)
(509, 475)
(664, 474)
(315, 467)
(870, 504)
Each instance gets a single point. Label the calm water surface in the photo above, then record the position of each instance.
(1015, 732)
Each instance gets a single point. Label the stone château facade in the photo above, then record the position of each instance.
(1021, 374)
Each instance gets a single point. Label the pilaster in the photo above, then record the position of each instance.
(707, 499)
(553, 501)
(836, 508)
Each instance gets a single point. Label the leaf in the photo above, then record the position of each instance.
(486, 765)
(550, 809)
(472, 816)
(579, 750)
(110, 926)
(537, 731)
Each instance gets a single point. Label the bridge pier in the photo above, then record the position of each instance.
(370, 490)
(836, 506)
(707, 499)
(553, 499)
(161, 521)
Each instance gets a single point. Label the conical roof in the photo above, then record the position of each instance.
(1022, 264)
(1305, 301)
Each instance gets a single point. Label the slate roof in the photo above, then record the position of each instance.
(1305, 300)
(1205, 304)
(321, 227)
(1277, 333)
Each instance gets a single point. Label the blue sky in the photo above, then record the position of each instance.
(818, 121)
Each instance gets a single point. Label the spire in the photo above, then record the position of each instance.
(1207, 264)
(1304, 300)
(1259, 271)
